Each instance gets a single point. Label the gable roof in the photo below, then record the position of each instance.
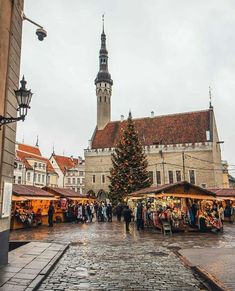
(62, 192)
(223, 192)
(23, 156)
(189, 127)
(28, 149)
(182, 187)
(66, 163)
(27, 190)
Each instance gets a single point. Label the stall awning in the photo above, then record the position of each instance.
(18, 198)
(225, 198)
(40, 198)
(177, 195)
(78, 198)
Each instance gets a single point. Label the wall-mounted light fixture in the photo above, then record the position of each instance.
(23, 97)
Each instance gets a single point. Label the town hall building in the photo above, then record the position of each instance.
(182, 146)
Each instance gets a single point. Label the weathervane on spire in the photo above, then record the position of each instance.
(210, 97)
(103, 21)
(37, 142)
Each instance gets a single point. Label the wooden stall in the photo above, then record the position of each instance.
(180, 206)
(29, 206)
(67, 200)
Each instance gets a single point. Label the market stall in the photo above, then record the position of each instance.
(67, 202)
(182, 206)
(226, 196)
(29, 206)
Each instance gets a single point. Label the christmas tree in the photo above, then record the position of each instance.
(129, 165)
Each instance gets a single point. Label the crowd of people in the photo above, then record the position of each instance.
(205, 218)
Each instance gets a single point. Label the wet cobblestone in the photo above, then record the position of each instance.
(103, 257)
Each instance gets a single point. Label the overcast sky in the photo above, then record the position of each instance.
(163, 56)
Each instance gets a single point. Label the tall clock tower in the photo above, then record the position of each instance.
(103, 84)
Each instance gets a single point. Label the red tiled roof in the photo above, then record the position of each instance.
(26, 190)
(63, 192)
(223, 192)
(179, 128)
(66, 162)
(29, 149)
(23, 156)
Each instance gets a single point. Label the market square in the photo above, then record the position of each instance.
(116, 145)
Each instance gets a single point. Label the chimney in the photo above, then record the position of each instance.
(152, 113)
(89, 144)
(122, 117)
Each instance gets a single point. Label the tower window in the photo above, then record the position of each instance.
(100, 99)
(104, 98)
(105, 84)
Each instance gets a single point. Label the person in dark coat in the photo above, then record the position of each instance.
(139, 217)
(119, 211)
(50, 213)
(127, 217)
(109, 212)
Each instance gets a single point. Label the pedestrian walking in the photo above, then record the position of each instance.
(127, 217)
(119, 209)
(51, 211)
(139, 216)
(88, 211)
(109, 212)
(104, 210)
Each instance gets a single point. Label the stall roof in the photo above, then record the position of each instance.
(63, 192)
(30, 191)
(223, 192)
(184, 188)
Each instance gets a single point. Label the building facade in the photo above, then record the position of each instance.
(71, 172)
(183, 146)
(10, 51)
(31, 168)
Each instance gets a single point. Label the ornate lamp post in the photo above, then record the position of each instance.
(23, 97)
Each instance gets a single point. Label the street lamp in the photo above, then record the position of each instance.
(23, 97)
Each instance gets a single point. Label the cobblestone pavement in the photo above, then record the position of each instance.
(102, 256)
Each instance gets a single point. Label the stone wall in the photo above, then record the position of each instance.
(199, 157)
(10, 51)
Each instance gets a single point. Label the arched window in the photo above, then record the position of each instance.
(100, 98)
(104, 98)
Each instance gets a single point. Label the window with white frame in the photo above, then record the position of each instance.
(28, 176)
(14, 179)
(192, 176)
(39, 178)
(19, 180)
(80, 173)
(39, 165)
(171, 177)
(178, 175)
(43, 178)
(74, 181)
(158, 177)
(20, 167)
(69, 180)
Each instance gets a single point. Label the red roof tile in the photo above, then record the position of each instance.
(179, 128)
(23, 156)
(26, 190)
(66, 162)
(29, 149)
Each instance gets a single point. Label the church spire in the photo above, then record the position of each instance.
(103, 74)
